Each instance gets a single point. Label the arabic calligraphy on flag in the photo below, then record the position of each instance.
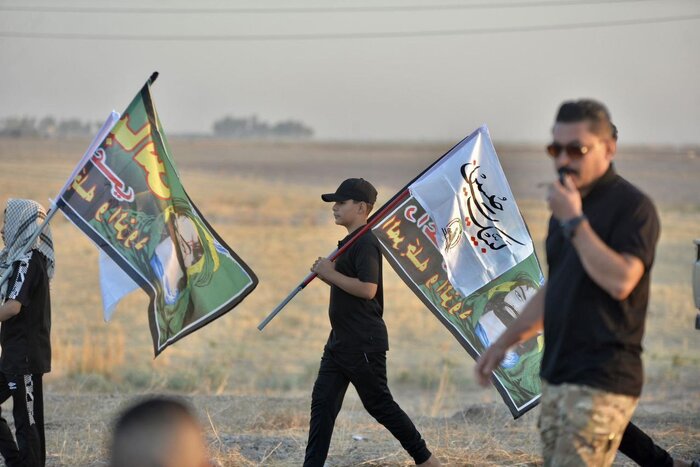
(129, 200)
(480, 231)
(461, 245)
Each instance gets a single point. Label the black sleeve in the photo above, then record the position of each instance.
(637, 232)
(553, 242)
(22, 279)
(367, 260)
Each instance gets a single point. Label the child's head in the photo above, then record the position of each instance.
(21, 221)
(354, 200)
(158, 431)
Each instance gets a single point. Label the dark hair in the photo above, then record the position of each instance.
(152, 418)
(155, 408)
(588, 110)
(370, 206)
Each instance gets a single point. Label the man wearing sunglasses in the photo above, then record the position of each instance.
(600, 249)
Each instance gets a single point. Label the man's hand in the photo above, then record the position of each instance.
(323, 267)
(488, 361)
(564, 200)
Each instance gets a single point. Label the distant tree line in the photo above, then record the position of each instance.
(252, 128)
(47, 127)
(226, 127)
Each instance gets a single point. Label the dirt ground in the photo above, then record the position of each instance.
(272, 430)
(252, 390)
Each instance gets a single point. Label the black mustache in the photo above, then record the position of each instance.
(564, 171)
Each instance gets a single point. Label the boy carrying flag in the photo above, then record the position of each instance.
(25, 333)
(356, 348)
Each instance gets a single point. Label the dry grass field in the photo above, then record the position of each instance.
(252, 389)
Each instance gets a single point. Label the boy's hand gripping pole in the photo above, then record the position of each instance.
(374, 220)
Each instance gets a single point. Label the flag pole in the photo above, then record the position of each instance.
(371, 223)
(27, 246)
(373, 220)
(53, 209)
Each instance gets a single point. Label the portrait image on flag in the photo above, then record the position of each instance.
(460, 243)
(128, 198)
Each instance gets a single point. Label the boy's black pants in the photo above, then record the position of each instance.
(28, 413)
(639, 447)
(367, 372)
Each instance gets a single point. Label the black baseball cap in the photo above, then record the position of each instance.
(356, 189)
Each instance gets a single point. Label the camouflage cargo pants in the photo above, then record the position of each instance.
(582, 426)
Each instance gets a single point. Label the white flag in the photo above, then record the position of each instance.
(115, 284)
(480, 231)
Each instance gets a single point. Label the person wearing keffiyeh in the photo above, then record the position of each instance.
(25, 313)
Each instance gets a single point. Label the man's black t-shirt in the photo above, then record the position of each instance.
(357, 324)
(591, 338)
(25, 338)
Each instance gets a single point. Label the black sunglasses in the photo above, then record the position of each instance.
(574, 150)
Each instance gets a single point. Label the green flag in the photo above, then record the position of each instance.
(129, 200)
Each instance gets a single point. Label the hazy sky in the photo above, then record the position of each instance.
(430, 87)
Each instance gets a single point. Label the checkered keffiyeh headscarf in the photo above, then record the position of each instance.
(23, 217)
